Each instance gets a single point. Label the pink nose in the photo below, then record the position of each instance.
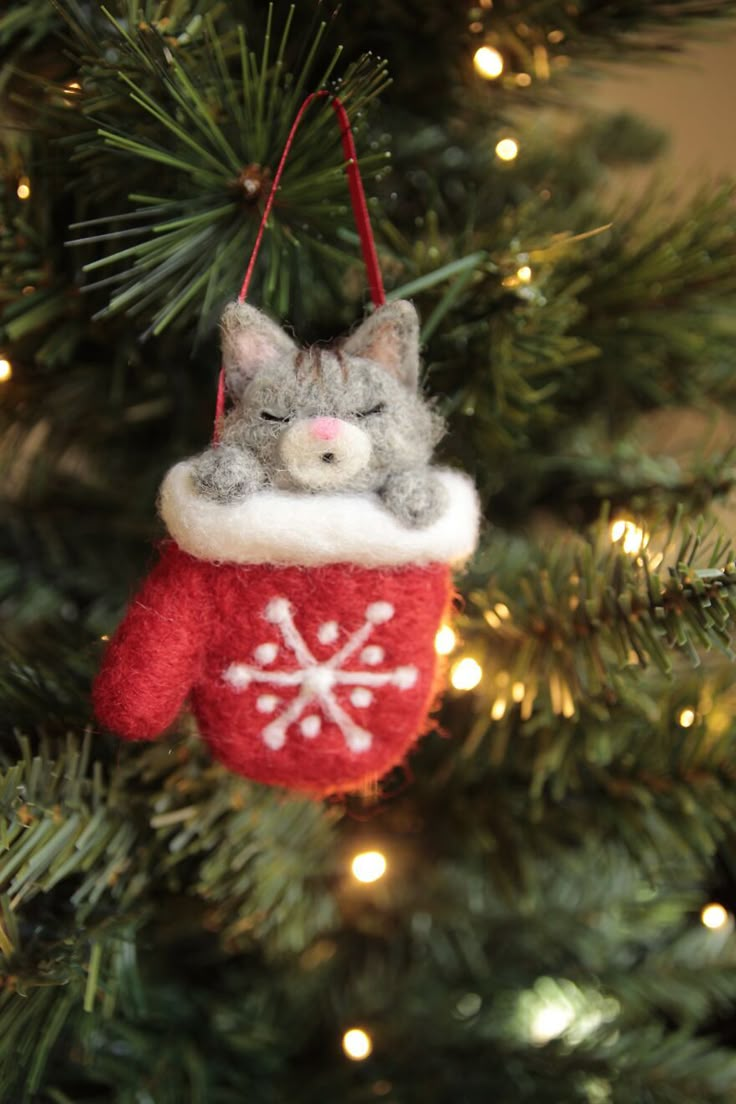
(325, 429)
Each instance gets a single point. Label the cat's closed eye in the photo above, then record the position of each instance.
(378, 409)
(268, 417)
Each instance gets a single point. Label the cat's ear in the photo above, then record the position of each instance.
(390, 337)
(250, 342)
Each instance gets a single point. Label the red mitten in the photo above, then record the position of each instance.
(155, 657)
(302, 626)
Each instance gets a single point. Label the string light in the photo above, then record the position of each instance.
(498, 709)
(507, 149)
(634, 538)
(466, 673)
(6, 369)
(357, 1044)
(23, 191)
(550, 1021)
(445, 640)
(541, 62)
(713, 916)
(524, 274)
(368, 866)
(517, 691)
(488, 62)
(686, 718)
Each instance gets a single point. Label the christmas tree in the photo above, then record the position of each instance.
(535, 906)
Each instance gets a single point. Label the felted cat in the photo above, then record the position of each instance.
(345, 418)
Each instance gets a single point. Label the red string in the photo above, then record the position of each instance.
(360, 214)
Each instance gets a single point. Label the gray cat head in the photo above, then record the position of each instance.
(321, 419)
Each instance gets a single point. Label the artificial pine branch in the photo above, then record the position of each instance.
(584, 611)
(190, 250)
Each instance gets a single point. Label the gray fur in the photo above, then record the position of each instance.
(369, 384)
(250, 343)
(227, 472)
(390, 336)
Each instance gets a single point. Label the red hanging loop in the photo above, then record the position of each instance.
(360, 214)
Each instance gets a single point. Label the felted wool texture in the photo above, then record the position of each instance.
(284, 527)
(227, 473)
(390, 336)
(249, 340)
(325, 464)
(208, 631)
(156, 654)
(368, 384)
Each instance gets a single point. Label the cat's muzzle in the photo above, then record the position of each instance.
(325, 453)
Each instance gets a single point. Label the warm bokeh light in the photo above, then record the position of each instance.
(550, 1021)
(498, 709)
(6, 369)
(445, 640)
(714, 916)
(517, 691)
(72, 88)
(23, 191)
(634, 538)
(369, 866)
(488, 62)
(357, 1044)
(507, 149)
(686, 718)
(466, 674)
(524, 274)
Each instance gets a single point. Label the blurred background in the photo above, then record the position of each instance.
(693, 99)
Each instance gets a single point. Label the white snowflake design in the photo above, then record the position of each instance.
(317, 680)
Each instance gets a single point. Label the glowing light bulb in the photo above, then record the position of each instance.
(507, 149)
(6, 369)
(488, 62)
(23, 191)
(714, 916)
(524, 274)
(445, 640)
(498, 709)
(634, 538)
(368, 866)
(466, 674)
(550, 1021)
(357, 1044)
(686, 718)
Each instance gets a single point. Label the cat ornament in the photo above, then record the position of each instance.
(308, 567)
